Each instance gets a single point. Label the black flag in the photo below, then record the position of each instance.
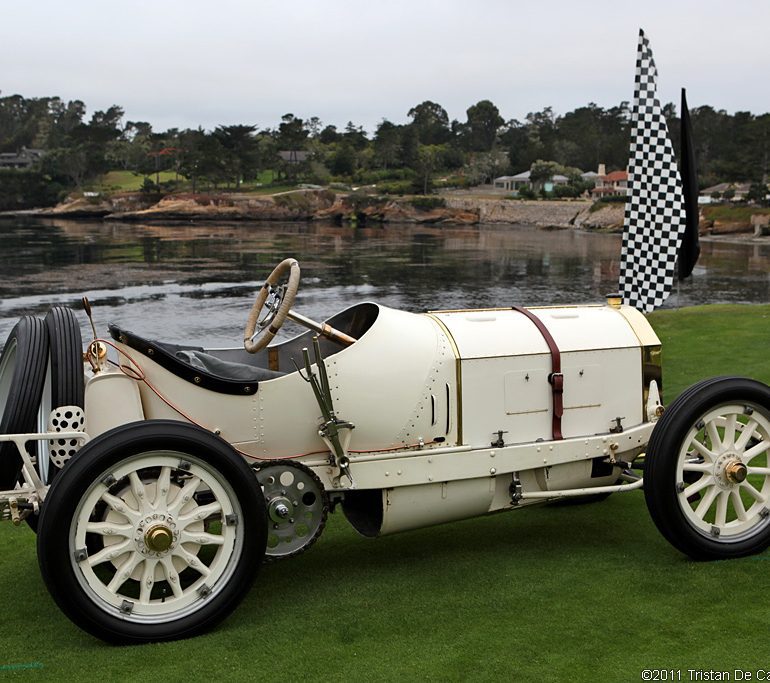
(690, 247)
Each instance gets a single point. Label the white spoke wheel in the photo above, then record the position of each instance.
(154, 532)
(707, 469)
(23, 364)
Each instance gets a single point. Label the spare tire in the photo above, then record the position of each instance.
(64, 385)
(23, 365)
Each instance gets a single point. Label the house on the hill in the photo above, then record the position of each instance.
(614, 184)
(733, 192)
(513, 183)
(26, 158)
(294, 156)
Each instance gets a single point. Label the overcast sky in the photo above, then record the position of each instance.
(187, 63)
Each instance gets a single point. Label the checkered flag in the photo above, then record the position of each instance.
(655, 213)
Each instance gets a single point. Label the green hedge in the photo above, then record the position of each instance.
(426, 203)
(27, 190)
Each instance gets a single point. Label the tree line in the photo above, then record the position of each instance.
(399, 157)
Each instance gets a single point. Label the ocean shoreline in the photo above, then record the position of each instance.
(449, 209)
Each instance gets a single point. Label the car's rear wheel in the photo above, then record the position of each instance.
(707, 469)
(154, 532)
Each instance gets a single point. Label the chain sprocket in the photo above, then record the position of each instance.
(297, 507)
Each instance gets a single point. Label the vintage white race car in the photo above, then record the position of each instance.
(160, 478)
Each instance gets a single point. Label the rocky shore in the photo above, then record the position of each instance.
(306, 205)
(298, 205)
(359, 209)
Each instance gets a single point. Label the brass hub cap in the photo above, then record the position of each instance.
(156, 535)
(729, 471)
(736, 472)
(158, 538)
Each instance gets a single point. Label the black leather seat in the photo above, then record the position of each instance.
(193, 364)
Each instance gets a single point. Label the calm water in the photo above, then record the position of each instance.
(196, 283)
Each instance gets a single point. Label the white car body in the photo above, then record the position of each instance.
(428, 395)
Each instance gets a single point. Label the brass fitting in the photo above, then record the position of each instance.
(158, 538)
(736, 472)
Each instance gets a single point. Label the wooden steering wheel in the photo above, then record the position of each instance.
(276, 299)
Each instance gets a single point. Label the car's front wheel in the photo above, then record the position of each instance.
(707, 469)
(154, 532)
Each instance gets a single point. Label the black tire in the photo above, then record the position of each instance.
(179, 601)
(22, 374)
(707, 469)
(64, 384)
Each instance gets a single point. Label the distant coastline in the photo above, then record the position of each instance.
(351, 208)
(324, 204)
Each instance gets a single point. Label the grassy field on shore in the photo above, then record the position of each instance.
(582, 593)
(128, 181)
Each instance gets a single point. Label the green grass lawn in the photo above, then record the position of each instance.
(704, 341)
(128, 181)
(584, 593)
(732, 213)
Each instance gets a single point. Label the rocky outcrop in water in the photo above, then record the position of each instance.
(547, 214)
(608, 217)
(358, 209)
(98, 206)
(297, 205)
(373, 209)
